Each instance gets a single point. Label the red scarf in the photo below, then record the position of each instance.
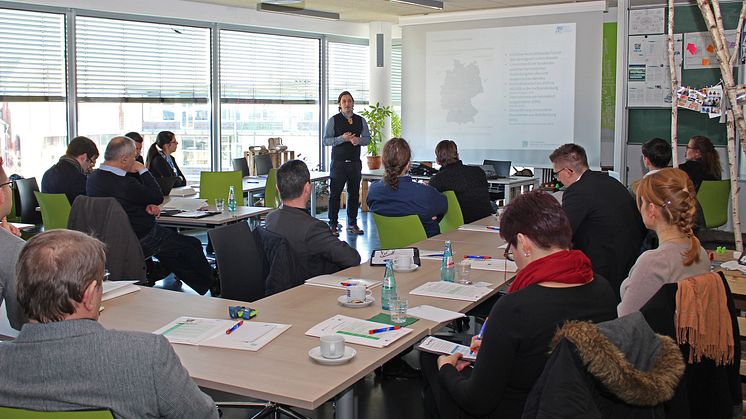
(565, 266)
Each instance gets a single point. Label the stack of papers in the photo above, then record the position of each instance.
(114, 289)
(501, 265)
(435, 314)
(440, 346)
(337, 282)
(182, 191)
(357, 331)
(250, 336)
(451, 290)
(185, 204)
(484, 229)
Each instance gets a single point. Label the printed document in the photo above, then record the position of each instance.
(334, 281)
(481, 228)
(250, 336)
(114, 289)
(451, 290)
(440, 346)
(358, 331)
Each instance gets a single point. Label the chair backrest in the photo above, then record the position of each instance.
(216, 185)
(453, 217)
(14, 413)
(55, 209)
(242, 165)
(13, 216)
(240, 262)
(271, 194)
(26, 204)
(396, 232)
(713, 196)
(263, 163)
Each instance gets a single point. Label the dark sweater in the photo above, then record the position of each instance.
(65, 177)
(515, 345)
(471, 188)
(132, 193)
(697, 172)
(408, 199)
(159, 168)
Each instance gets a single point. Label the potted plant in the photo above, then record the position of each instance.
(376, 116)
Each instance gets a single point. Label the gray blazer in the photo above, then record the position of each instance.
(10, 247)
(77, 364)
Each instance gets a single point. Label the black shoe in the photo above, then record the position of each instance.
(155, 271)
(354, 229)
(334, 227)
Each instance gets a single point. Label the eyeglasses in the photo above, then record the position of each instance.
(6, 183)
(560, 171)
(508, 254)
(107, 274)
(691, 148)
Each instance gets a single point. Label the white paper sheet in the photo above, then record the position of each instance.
(480, 228)
(185, 204)
(434, 313)
(182, 191)
(335, 281)
(440, 346)
(451, 290)
(500, 265)
(357, 331)
(250, 336)
(114, 289)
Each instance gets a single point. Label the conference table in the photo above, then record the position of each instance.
(282, 371)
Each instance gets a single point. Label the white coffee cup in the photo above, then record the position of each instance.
(358, 293)
(403, 262)
(332, 346)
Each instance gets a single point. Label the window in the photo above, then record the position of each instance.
(269, 87)
(396, 77)
(145, 77)
(33, 124)
(346, 76)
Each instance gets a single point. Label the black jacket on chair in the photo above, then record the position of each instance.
(279, 264)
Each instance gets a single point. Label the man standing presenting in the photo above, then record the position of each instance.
(65, 360)
(345, 132)
(606, 224)
(316, 250)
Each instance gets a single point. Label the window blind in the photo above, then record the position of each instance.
(32, 56)
(262, 68)
(348, 70)
(396, 74)
(125, 60)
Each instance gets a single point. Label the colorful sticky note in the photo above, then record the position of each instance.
(705, 61)
(691, 48)
(710, 49)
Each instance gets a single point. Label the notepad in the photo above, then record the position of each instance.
(357, 331)
(185, 204)
(434, 313)
(439, 346)
(182, 191)
(480, 228)
(250, 336)
(335, 281)
(500, 265)
(451, 290)
(114, 289)
(195, 214)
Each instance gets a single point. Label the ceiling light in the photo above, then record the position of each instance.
(433, 4)
(266, 7)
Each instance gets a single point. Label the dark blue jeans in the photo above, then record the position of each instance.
(345, 172)
(181, 254)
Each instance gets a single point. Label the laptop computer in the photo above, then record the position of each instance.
(166, 183)
(488, 170)
(502, 167)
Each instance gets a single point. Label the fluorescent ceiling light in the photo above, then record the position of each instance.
(266, 7)
(433, 4)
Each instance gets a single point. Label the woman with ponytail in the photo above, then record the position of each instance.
(668, 203)
(702, 161)
(160, 161)
(397, 195)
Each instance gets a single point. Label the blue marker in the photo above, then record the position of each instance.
(481, 332)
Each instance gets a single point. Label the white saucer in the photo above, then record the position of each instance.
(315, 354)
(368, 301)
(411, 268)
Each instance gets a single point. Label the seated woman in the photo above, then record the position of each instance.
(702, 161)
(468, 182)
(553, 285)
(667, 201)
(159, 160)
(397, 195)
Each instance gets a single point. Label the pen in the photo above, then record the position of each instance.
(440, 255)
(493, 228)
(233, 329)
(477, 257)
(383, 329)
(347, 284)
(479, 336)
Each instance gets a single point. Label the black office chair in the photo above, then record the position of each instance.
(26, 202)
(242, 165)
(263, 163)
(240, 262)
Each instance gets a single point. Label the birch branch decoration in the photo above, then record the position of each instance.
(674, 87)
(733, 168)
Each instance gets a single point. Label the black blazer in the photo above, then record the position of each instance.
(159, 167)
(469, 183)
(606, 225)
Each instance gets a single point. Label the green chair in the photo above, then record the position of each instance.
(12, 413)
(713, 196)
(217, 184)
(397, 232)
(55, 209)
(453, 218)
(271, 195)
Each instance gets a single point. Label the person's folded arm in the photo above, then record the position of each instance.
(146, 191)
(329, 138)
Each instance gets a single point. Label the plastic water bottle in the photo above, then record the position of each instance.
(231, 199)
(388, 290)
(447, 265)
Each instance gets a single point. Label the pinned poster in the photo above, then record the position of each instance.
(648, 72)
(701, 51)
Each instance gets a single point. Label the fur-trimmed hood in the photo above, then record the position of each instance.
(636, 365)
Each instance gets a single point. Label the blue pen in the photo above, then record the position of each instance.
(477, 257)
(440, 255)
(233, 329)
(481, 332)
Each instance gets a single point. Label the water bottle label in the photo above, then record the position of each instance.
(449, 262)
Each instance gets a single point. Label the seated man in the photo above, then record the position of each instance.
(316, 249)
(469, 183)
(10, 247)
(606, 224)
(68, 175)
(72, 362)
(140, 198)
